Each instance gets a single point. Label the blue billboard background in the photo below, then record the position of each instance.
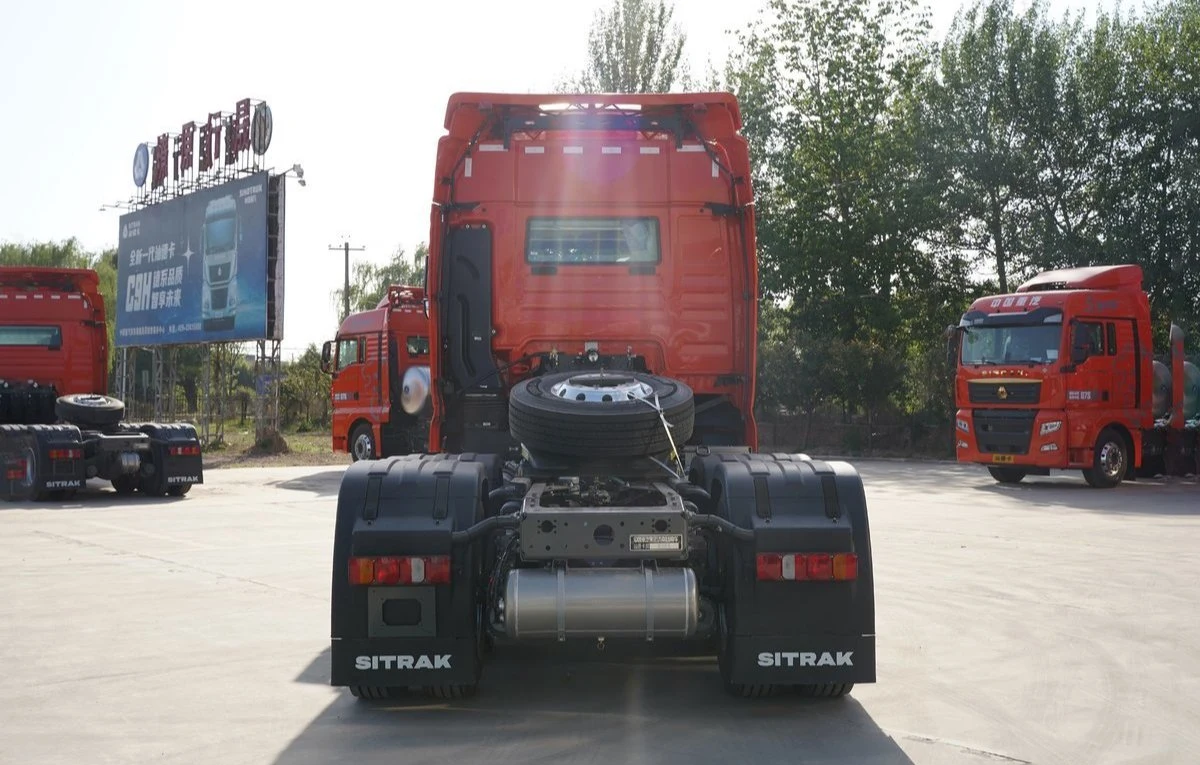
(194, 269)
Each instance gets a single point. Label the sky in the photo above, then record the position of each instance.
(358, 92)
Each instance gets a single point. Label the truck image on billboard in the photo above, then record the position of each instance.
(194, 269)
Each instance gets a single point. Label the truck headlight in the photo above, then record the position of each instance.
(1051, 427)
(962, 425)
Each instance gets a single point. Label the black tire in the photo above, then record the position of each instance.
(89, 410)
(362, 444)
(550, 424)
(370, 693)
(825, 690)
(1110, 460)
(451, 691)
(1007, 475)
(178, 490)
(125, 484)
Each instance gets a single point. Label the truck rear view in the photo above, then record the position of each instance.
(57, 427)
(592, 308)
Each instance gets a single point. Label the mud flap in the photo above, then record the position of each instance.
(797, 631)
(407, 635)
(175, 456)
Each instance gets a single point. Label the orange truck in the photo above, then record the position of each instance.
(379, 362)
(57, 427)
(592, 473)
(1061, 375)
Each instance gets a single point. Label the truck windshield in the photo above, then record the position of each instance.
(219, 234)
(1037, 343)
(45, 337)
(592, 240)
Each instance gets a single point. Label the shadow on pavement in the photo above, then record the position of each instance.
(323, 484)
(97, 495)
(535, 709)
(1066, 490)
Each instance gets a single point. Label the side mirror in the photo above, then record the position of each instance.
(952, 336)
(327, 356)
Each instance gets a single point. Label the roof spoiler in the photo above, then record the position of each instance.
(56, 279)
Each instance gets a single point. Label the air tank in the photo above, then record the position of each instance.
(1191, 390)
(1162, 390)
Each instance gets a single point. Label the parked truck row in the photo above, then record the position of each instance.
(58, 428)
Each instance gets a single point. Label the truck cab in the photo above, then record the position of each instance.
(379, 364)
(219, 254)
(1061, 375)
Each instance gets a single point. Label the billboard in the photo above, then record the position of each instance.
(201, 268)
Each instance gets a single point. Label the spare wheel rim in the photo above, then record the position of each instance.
(601, 388)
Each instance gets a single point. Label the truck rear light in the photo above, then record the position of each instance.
(66, 454)
(184, 451)
(16, 470)
(433, 569)
(811, 567)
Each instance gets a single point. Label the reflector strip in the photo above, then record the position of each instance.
(491, 147)
(535, 149)
(691, 147)
(649, 150)
(66, 454)
(572, 150)
(610, 150)
(467, 168)
(184, 451)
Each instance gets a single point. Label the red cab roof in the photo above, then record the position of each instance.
(1124, 278)
(644, 101)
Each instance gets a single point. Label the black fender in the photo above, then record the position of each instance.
(27, 449)
(794, 504)
(169, 467)
(408, 506)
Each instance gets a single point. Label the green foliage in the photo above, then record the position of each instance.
(632, 48)
(304, 392)
(369, 282)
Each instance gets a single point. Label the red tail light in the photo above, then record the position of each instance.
(812, 567)
(184, 451)
(16, 470)
(432, 569)
(66, 454)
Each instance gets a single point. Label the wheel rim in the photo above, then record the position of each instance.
(601, 388)
(89, 400)
(363, 449)
(1112, 460)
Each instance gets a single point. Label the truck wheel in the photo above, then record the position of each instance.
(89, 410)
(370, 693)
(724, 659)
(1007, 475)
(179, 490)
(125, 484)
(599, 414)
(362, 443)
(825, 690)
(451, 691)
(1110, 460)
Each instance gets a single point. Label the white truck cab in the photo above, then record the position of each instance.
(219, 245)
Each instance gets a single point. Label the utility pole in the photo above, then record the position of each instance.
(346, 248)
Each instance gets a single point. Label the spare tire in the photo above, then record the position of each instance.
(89, 410)
(600, 414)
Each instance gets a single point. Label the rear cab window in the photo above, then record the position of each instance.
(592, 241)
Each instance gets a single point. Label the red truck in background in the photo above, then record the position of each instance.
(1061, 375)
(57, 426)
(379, 362)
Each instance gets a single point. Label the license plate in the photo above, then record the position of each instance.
(656, 542)
(1006, 458)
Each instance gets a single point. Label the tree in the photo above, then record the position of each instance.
(632, 48)
(304, 391)
(369, 282)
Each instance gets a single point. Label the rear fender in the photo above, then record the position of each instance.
(32, 451)
(402, 506)
(170, 467)
(793, 631)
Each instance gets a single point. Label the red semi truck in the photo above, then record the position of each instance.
(592, 471)
(57, 426)
(1061, 375)
(379, 362)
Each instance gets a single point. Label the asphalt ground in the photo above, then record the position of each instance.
(1040, 623)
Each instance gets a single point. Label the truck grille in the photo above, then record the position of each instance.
(219, 274)
(1004, 431)
(220, 296)
(1004, 393)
